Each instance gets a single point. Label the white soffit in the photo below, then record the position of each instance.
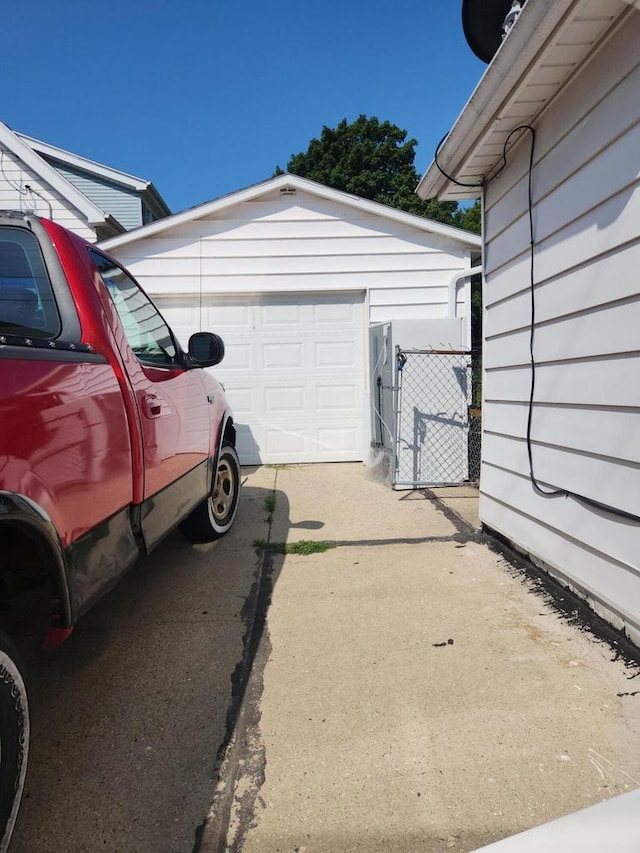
(549, 41)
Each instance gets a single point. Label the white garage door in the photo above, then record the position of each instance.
(293, 371)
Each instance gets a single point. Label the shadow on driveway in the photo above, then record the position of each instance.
(130, 716)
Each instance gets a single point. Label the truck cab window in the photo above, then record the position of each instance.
(27, 306)
(147, 334)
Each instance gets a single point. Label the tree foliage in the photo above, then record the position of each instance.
(373, 160)
(469, 218)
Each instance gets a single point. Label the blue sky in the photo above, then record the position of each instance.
(205, 98)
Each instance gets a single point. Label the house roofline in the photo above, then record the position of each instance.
(35, 161)
(141, 185)
(115, 175)
(519, 55)
(155, 201)
(304, 184)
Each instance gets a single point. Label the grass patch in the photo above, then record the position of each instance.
(270, 506)
(304, 547)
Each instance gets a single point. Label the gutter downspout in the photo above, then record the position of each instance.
(453, 283)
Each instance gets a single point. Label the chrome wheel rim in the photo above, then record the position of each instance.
(224, 491)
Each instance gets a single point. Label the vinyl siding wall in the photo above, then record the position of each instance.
(13, 177)
(123, 204)
(285, 244)
(586, 416)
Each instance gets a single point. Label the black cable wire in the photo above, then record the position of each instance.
(448, 177)
(495, 175)
(548, 493)
(532, 325)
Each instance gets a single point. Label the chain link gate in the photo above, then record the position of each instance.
(433, 441)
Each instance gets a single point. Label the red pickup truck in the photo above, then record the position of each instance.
(111, 436)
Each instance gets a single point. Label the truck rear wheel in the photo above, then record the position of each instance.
(14, 738)
(214, 516)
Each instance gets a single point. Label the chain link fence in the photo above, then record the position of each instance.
(438, 425)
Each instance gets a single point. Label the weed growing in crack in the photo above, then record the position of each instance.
(270, 506)
(302, 548)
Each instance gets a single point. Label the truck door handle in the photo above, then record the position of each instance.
(152, 405)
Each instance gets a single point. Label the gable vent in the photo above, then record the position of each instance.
(287, 190)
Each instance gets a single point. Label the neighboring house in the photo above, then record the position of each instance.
(93, 200)
(292, 274)
(569, 69)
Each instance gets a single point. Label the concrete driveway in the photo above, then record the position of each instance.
(412, 689)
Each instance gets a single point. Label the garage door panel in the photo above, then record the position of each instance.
(280, 396)
(237, 357)
(281, 316)
(340, 314)
(283, 356)
(335, 354)
(281, 443)
(293, 371)
(242, 400)
(311, 443)
(338, 398)
(346, 438)
(227, 315)
(285, 400)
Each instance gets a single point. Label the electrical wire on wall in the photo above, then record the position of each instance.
(541, 490)
(25, 191)
(31, 190)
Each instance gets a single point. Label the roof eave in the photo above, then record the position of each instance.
(39, 165)
(84, 163)
(156, 202)
(522, 47)
(256, 190)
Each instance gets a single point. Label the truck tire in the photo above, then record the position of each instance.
(14, 738)
(212, 518)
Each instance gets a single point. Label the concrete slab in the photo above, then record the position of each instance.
(338, 503)
(412, 691)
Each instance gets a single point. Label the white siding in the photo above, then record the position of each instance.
(318, 255)
(303, 243)
(586, 417)
(14, 175)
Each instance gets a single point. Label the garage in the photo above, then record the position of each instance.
(293, 371)
(292, 275)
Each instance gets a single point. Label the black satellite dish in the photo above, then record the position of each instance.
(482, 24)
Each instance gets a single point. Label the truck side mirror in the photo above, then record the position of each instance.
(205, 349)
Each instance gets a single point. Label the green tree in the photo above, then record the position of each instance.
(374, 160)
(469, 218)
